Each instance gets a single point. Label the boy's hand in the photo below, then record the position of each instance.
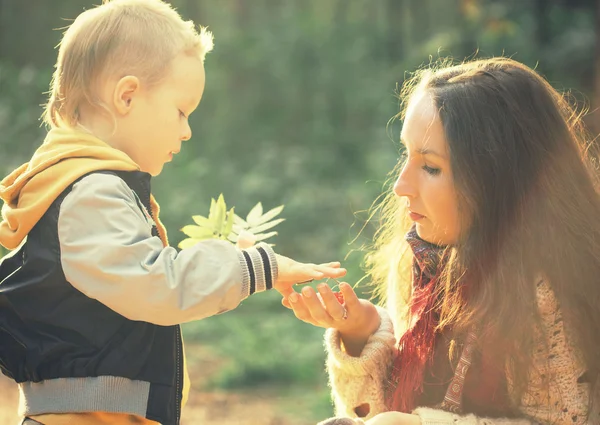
(292, 272)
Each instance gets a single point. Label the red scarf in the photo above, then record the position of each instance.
(415, 348)
(485, 392)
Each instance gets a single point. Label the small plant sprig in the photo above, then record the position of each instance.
(224, 224)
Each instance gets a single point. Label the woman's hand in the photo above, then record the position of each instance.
(394, 418)
(356, 319)
(292, 272)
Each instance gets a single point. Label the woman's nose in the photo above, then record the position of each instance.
(404, 185)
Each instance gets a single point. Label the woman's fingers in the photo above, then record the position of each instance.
(320, 309)
(323, 309)
(351, 301)
(315, 306)
(300, 309)
(333, 306)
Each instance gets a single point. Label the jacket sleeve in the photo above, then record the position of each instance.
(360, 381)
(109, 254)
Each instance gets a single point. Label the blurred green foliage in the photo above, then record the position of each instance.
(295, 112)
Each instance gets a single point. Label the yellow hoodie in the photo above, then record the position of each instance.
(64, 156)
(28, 192)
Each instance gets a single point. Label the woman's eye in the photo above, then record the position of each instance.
(430, 170)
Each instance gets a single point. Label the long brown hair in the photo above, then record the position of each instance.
(522, 168)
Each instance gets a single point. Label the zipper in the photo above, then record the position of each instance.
(148, 209)
(178, 345)
(179, 390)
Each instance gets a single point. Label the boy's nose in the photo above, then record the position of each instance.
(187, 133)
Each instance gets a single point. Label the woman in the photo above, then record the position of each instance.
(493, 290)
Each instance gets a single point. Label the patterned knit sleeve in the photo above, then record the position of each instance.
(558, 391)
(358, 383)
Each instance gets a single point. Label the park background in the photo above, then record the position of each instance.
(296, 109)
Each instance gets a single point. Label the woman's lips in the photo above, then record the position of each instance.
(414, 216)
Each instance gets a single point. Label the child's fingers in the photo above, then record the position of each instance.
(286, 303)
(333, 264)
(312, 273)
(333, 306)
(333, 272)
(285, 292)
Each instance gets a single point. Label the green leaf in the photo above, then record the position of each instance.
(254, 215)
(264, 236)
(198, 232)
(237, 228)
(187, 243)
(266, 226)
(212, 213)
(269, 215)
(220, 212)
(202, 221)
(239, 221)
(229, 223)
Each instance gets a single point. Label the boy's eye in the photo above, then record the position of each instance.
(430, 170)
(182, 114)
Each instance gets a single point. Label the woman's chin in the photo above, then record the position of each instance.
(428, 236)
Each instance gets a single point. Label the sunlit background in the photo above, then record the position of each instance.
(296, 112)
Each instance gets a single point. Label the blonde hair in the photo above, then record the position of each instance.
(120, 37)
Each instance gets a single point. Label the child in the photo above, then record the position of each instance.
(496, 208)
(92, 295)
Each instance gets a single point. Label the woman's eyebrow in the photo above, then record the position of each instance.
(425, 151)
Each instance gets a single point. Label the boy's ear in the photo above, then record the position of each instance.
(125, 91)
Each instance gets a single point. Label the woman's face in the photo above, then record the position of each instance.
(426, 180)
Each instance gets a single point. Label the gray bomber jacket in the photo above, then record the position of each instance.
(91, 302)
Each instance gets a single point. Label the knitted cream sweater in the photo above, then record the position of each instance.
(359, 380)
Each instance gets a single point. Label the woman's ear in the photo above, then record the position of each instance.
(126, 89)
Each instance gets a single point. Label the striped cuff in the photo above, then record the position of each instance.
(259, 269)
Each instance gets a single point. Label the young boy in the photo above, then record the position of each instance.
(92, 296)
